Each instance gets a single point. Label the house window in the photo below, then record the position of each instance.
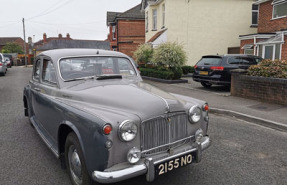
(272, 51)
(255, 12)
(146, 22)
(279, 9)
(154, 19)
(114, 32)
(248, 51)
(163, 15)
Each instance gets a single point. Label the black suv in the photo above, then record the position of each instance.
(215, 69)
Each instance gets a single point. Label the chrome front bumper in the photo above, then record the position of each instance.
(145, 168)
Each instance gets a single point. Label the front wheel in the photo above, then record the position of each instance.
(75, 161)
(206, 84)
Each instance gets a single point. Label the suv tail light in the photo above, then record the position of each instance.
(195, 66)
(0, 64)
(217, 68)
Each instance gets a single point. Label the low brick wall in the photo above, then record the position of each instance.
(272, 90)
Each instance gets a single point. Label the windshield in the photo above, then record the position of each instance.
(77, 68)
(210, 61)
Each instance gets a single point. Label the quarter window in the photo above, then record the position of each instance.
(36, 72)
(48, 72)
(280, 9)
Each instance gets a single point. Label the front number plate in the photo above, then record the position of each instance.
(174, 163)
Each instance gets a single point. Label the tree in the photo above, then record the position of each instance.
(12, 48)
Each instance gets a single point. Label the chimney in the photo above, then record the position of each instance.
(44, 37)
(68, 36)
(60, 36)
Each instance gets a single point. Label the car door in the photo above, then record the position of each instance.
(47, 110)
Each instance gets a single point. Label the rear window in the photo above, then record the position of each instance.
(210, 61)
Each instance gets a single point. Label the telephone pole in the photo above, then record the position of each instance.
(25, 51)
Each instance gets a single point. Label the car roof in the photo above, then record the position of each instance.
(228, 55)
(56, 54)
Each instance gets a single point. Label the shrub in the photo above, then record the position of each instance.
(269, 68)
(169, 54)
(143, 54)
(168, 75)
(187, 69)
(177, 72)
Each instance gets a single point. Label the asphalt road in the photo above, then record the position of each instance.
(241, 152)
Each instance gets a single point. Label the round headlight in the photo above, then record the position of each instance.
(128, 130)
(194, 114)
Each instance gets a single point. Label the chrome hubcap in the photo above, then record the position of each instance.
(75, 165)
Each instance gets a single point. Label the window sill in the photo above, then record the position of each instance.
(154, 30)
(254, 26)
(278, 17)
(162, 27)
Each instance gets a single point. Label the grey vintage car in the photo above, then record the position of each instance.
(105, 124)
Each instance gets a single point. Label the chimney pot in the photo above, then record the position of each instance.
(44, 37)
(60, 36)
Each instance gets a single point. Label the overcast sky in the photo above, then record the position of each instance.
(83, 19)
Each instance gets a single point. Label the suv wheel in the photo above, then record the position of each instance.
(206, 84)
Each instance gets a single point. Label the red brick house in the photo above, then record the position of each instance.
(16, 40)
(270, 40)
(126, 30)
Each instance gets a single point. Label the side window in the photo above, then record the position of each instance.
(48, 72)
(248, 61)
(234, 60)
(36, 72)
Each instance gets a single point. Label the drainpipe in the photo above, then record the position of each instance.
(255, 46)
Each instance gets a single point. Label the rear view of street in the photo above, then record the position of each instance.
(242, 153)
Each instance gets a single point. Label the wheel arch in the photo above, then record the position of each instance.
(64, 130)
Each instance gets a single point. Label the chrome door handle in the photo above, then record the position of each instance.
(36, 89)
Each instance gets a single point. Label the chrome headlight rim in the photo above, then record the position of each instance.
(122, 129)
(194, 114)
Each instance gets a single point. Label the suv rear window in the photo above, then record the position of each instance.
(210, 61)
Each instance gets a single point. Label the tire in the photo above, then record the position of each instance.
(75, 162)
(206, 84)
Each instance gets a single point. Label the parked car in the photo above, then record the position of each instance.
(3, 65)
(216, 69)
(105, 124)
(10, 58)
(8, 62)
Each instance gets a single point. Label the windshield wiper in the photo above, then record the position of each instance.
(82, 78)
(104, 77)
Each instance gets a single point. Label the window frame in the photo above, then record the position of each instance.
(146, 22)
(37, 61)
(163, 15)
(114, 32)
(257, 12)
(277, 4)
(273, 51)
(154, 19)
(50, 83)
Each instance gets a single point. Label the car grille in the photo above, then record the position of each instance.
(164, 132)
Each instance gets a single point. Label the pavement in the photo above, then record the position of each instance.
(221, 102)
